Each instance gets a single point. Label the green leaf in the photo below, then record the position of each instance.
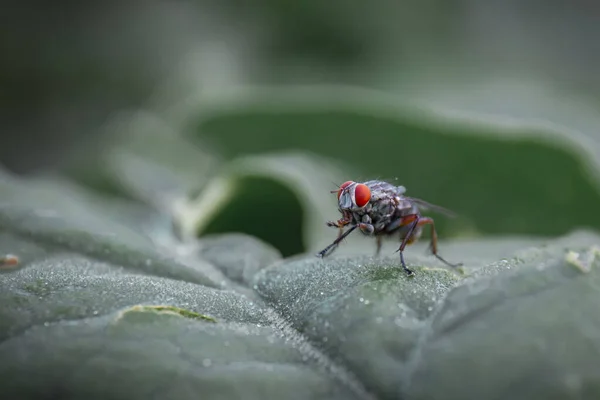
(58, 217)
(250, 256)
(79, 304)
(144, 160)
(529, 333)
(501, 176)
(98, 305)
(276, 197)
(521, 327)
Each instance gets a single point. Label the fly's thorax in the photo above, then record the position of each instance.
(384, 206)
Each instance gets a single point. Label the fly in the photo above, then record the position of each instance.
(379, 209)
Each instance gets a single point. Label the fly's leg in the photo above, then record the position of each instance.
(433, 244)
(367, 229)
(340, 223)
(413, 220)
(378, 249)
(323, 253)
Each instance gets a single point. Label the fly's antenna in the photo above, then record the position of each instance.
(337, 187)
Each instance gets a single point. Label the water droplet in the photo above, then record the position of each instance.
(361, 299)
(367, 301)
(207, 362)
(95, 312)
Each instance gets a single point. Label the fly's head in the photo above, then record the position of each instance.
(352, 196)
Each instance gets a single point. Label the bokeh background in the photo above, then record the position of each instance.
(236, 116)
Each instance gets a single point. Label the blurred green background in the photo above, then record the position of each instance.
(489, 108)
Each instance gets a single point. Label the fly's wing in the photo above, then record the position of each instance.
(432, 207)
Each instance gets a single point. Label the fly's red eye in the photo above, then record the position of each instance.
(342, 187)
(362, 195)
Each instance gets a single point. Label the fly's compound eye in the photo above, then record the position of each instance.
(342, 187)
(362, 195)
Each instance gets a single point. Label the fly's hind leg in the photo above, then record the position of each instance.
(433, 243)
(378, 246)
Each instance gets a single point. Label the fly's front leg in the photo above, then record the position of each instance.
(367, 227)
(326, 251)
(340, 223)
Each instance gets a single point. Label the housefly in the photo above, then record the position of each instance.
(380, 209)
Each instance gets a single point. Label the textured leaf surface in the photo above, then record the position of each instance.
(519, 327)
(100, 306)
(111, 294)
(80, 321)
(532, 332)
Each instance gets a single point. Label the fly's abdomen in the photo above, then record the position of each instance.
(405, 207)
